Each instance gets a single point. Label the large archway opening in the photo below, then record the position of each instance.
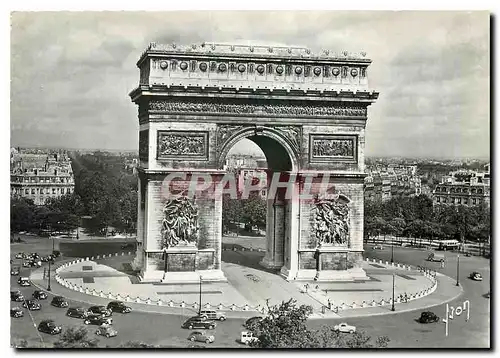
(258, 219)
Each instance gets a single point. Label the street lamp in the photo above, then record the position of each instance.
(392, 250)
(48, 286)
(393, 285)
(458, 268)
(199, 306)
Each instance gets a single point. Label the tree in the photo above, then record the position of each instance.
(76, 338)
(285, 326)
(254, 211)
(22, 212)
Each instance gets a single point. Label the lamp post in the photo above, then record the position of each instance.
(199, 306)
(392, 250)
(48, 286)
(458, 269)
(393, 285)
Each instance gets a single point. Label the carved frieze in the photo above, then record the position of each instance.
(144, 145)
(333, 147)
(293, 134)
(331, 221)
(224, 132)
(180, 223)
(306, 110)
(182, 145)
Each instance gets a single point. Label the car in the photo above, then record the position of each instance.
(20, 255)
(436, 257)
(39, 295)
(59, 301)
(77, 312)
(198, 322)
(467, 254)
(212, 315)
(476, 276)
(56, 253)
(32, 305)
(344, 328)
(49, 326)
(97, 319)
(106, 331)
(378, 247)
(201, 337)
(428, 317)
(16, 296)
(14, 271)
(25, 255)
(247, 337)
(117, 306)
(16, 312)
(128, 246)
(100, 310)
(26, 264)
(251, 321)
(36, 263)
(24, 281)
(487, 295)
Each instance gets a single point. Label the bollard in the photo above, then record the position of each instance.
(148, 301)
(233, 307)
(387, 262)
(159, 303)
(207, 305)
(170, 304)
(123, 254)
(363, 304)
(353, 305)
(183, 304)
(138, 300)
(127, 299)
(220, 306)
(97, 257)
(246, 307)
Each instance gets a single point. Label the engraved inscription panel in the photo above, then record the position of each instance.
(325, 148)
(182, 145)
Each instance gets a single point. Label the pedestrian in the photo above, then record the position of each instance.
(442, 264)
(306, 286)
(329, 304)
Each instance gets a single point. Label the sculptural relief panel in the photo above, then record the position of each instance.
(182, 145)
(333, 148)
(180, 223)
(331, 221)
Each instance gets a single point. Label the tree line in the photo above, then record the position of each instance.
(417, 217)
(105, 194)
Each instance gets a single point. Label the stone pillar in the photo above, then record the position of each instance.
(292, 236)
(139, 254)
(275, 235)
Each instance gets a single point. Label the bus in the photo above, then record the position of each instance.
(449, 245)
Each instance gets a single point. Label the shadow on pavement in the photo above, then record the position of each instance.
(245, 258)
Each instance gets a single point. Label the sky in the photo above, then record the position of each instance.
(71, 72)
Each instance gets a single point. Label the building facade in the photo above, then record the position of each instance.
(464, 187)
(39, 176)
(393, 181)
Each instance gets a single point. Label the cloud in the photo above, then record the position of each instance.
(72, 72)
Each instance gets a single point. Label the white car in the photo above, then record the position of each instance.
(345, 328)
(247, 337)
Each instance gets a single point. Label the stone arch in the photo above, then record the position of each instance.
(265, 138)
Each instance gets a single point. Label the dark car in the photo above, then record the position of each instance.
(198, 322)
(59, 301)
(49, 326)
(56, 253)
(128, 246)
(97, 319)
(117, 306)
(39, 295)
(77, 312)
(428, 317)
(249, 322)
(16, 312)
(100, 310)
(16, 296)
(14, 271)
(32, 305)
(476, 276)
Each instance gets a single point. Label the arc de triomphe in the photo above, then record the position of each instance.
(306, 111)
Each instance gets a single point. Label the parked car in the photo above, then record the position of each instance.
(14, 271)
(117, 306)
(39, 295)
(19, 255)
(27, 264)
(434, 257)
(345, 328)
(249, 322)
(378, 247)
(16, 312)
(24, 281)
(198, 322)
(56, 253)
(77, 312)
(476, 276)
(32, 305)
(16, 296)
(97, 319)
(467, 254)
(59, 301)
(49, 326)
(106, 331)
(201, 337)
(428, 317)
(213, 315)
(247, 337)
(100, 310)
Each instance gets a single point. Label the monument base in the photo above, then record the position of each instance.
(182, 277)
(271, 264)
(354, 274)
(287, 274)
